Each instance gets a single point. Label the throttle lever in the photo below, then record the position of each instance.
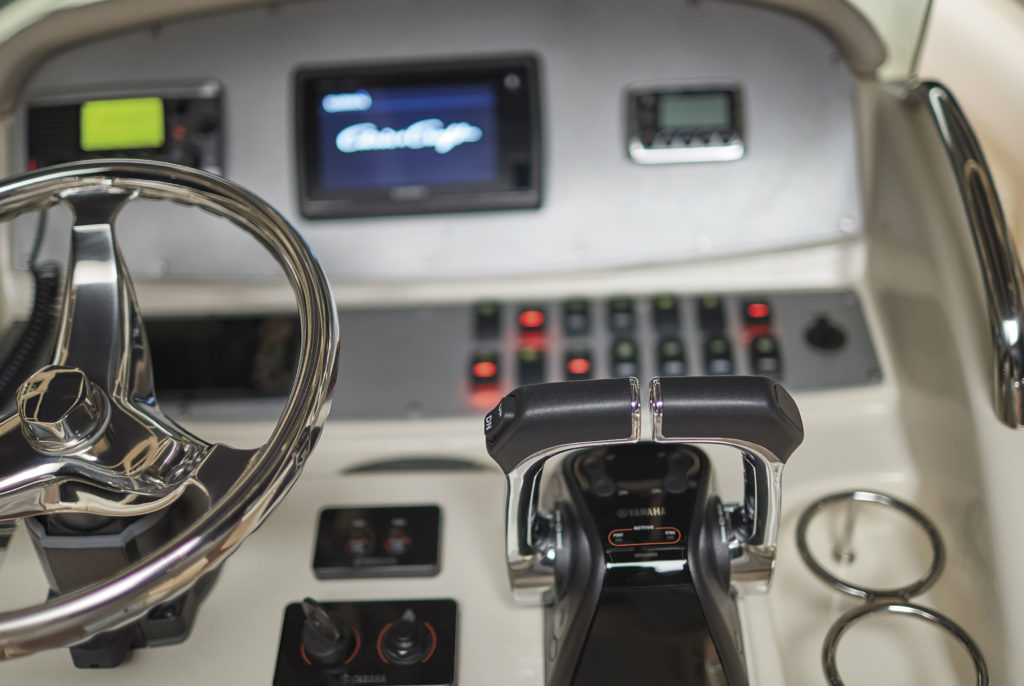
(529, 426)
(758, 417)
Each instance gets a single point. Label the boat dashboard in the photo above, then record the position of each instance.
(510, 194)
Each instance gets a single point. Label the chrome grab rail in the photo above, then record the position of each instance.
(69, 466)
(997, 254)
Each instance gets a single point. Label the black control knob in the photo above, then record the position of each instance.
(825, 334)
(601, 484)
(406, 641)
(678, 475)
(327, 638)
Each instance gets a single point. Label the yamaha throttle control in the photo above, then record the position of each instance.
(634, 557)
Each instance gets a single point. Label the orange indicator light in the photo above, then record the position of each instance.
(531, 319)
(485, 370)
(578, 366)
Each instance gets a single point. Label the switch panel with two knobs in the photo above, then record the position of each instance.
(390, 643)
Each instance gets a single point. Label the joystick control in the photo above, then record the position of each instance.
(327, 639)
(407, 641)
(379, 642)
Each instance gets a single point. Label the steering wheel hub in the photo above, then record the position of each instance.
(61, 410)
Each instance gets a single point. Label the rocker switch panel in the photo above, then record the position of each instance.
(368, 542)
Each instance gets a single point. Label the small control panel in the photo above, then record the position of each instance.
(377, 542)
(458, 360)
(390, 643)
(685, 123)
(642, 500)
(181, 124)
(802, 340)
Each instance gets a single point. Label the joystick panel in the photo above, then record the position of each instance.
(390, 643)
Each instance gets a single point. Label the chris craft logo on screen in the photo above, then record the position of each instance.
(366, 136)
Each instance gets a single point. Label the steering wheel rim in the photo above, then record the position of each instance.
(243, 487)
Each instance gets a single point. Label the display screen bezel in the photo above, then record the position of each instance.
(517, 179)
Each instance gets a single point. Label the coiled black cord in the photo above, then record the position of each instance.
(40, 322)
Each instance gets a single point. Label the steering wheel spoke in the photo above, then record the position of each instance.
(100, 329)
(155, 464)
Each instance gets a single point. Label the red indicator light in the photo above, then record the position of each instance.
(531, 319)
(32, 164)
(485, 370)
(578, 366)
(757, 310)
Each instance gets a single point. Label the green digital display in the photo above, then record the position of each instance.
(695, 110)
(126, 124)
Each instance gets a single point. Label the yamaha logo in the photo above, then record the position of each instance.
(632, 512)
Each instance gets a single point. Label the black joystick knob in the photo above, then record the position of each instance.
(825, 334)
(406, 641)
(327, 638)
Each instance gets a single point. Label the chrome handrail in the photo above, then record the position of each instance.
(997, 254)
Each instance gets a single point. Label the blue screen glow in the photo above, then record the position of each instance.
(379, 138)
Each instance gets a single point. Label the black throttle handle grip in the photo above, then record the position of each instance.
(752, 409)
(531, 419)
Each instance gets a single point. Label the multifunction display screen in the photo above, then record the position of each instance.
(122, 124)
(412, 136)
(695, 112)
(399, 139)
(691, 122)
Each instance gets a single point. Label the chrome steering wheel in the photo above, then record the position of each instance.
(88, 435)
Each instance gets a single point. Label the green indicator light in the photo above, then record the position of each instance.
(128, 124)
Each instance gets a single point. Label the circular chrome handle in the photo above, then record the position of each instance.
(43, 447)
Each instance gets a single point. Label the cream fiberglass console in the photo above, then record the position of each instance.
(672, 347)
